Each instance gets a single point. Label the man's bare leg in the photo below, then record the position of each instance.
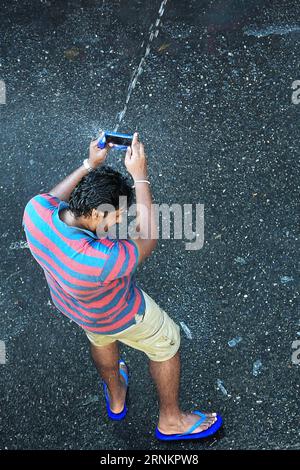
(172, 420)
(106, 359)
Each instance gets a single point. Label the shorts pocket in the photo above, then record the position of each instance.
(139, 318)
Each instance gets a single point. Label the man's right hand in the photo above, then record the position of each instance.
(135, 159)
(136, 164)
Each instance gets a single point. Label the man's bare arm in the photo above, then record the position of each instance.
(96, 158)
(64, 189)
(136, 164)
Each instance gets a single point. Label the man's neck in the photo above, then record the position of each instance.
(68, 218)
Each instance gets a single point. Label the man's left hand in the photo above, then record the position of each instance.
(98, 156)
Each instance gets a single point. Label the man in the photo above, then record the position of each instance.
(91, 280)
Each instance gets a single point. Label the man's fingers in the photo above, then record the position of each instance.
(94, 143)
(127, 155)
(135, 139)
(128, 152)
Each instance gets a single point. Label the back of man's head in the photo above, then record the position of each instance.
(99, 187)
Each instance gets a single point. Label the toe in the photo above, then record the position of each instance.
(210, 420)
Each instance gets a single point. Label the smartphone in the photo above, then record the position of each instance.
(123, 140)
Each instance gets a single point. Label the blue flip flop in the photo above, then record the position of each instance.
(189, 434)
(111, 414)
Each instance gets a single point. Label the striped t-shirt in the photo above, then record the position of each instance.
(91, 280)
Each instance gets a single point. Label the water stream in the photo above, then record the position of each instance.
(153, 33)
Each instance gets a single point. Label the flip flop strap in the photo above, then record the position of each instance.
(198, 423)
(123, 373)
(106, 391)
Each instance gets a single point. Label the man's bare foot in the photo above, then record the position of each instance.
(117, 402)
(185, 422)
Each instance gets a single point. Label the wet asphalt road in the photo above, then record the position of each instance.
(213, 106)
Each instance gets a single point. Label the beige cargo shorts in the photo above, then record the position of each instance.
(155, 333)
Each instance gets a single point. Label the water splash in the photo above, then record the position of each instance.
(256, 370)
(220, 386)
(186, 330)
(271, 30)
(153, 33)
(234, 341)
(20, 245)
(286, 279)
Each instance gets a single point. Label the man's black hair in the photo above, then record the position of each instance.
(101, 186)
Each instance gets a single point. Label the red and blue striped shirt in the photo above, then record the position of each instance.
(91, 280)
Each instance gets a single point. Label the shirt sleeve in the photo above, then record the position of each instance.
(49, 201)
(122, 260)
(41, 203)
